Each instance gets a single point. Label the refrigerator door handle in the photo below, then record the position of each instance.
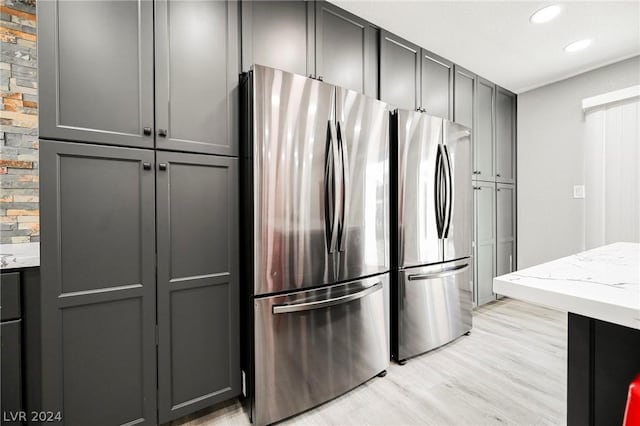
(344, 159)
(443, 273)
(449, 191)
(325, 303)
(437, 191)
(330, 189)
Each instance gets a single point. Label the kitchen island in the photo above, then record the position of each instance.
(600, 290)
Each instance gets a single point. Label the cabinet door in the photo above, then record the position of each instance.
(505, 135)
(485, 226)
(464, 93)
(436, 85)
(10, 307)
(11, 367)
(346, 49)
(399, 71)
(198, 306)
(98, 283)
(96, 82)
(197, 66)
(505, 228)
(484, 146)
(278, 34)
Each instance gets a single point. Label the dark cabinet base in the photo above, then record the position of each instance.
(603, 358)
(10, 357)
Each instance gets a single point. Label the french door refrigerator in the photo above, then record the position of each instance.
(432, 277)
(317, 240)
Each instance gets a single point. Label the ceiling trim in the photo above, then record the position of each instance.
(576, 73)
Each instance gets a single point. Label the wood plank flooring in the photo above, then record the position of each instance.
(511, 370)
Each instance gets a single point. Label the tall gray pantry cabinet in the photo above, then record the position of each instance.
(139, 207)
(494, 178)
(491, 111)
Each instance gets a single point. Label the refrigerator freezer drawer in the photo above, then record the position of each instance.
(434, 306)
(314, 345)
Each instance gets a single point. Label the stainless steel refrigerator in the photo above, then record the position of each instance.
(316, 240)
(432, 297)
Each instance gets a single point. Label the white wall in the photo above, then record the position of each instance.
(551, 160)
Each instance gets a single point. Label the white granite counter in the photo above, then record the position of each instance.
(603, 283)
(14, 256)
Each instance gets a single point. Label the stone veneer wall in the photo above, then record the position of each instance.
(19, 207)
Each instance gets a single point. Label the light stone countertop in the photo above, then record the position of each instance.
(13, 256)
(603, 283)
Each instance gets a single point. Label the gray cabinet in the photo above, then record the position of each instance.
(278, 34)
(11, 367)
(10, 296)
(464, 92)
(96, 83)
(505, 229)
(98, 283)
(414, 78)
(484, 138)
(485, 241)
(505, 135)
(436, 93)
(196, 76)
(99, 210)
(346, 52)
(495, 235)
(311, 38)
(399, 71)
(198, 305)
(11, 349)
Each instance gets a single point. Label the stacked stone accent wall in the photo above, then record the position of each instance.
(19, 200)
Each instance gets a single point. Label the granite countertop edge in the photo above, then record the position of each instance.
(602, 283)
(18, 256)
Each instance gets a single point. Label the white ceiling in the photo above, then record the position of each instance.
(496, 40)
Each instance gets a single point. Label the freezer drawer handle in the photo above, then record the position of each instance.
(300, 307)
(443, 273)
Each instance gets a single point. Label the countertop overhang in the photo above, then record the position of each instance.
(15, 256)
(602, 283)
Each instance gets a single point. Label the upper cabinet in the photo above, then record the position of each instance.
(310, 38)
(414, 78)
(100, 87)
(464, 92)
(484, 146)
(505, 135)
(399, 71)
(96, 84)
(197, 67)
(278, 34)
(346, 48)
(436, 91)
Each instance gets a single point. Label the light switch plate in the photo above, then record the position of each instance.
(578, 191)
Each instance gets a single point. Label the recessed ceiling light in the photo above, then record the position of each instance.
(546, 14)
(577, 45)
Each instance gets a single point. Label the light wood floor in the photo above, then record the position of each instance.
(511, 370)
